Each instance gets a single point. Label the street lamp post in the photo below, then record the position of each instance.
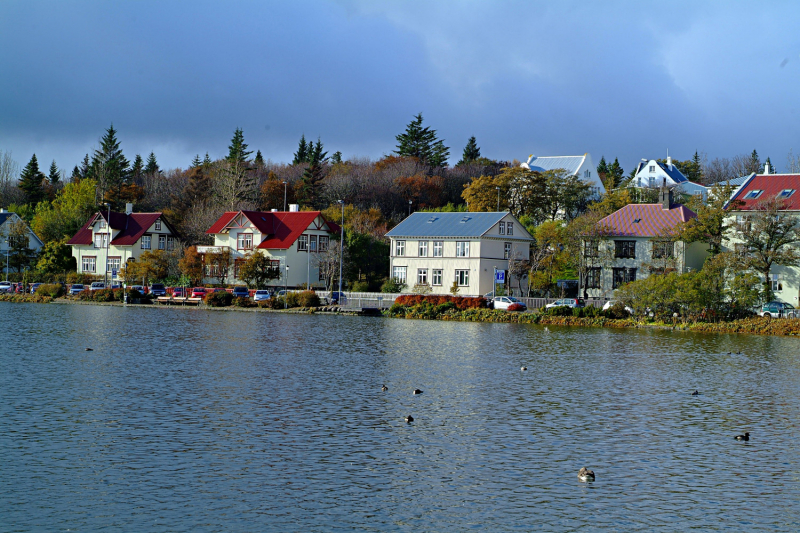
(285, 184)
(341, 253)
(8, 249)
(108, 242)
(409, 207)
(286, 289)
(308, 264)
(498, 199)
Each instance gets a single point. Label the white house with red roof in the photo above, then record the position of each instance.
(131, 234)
(635, 243)
(292, 239)
(755, 190)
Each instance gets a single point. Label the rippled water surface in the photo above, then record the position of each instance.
(190, 420)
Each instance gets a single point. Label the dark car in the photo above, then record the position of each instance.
(240, 291)
(338, 298)
(34, 286)
(158, 289)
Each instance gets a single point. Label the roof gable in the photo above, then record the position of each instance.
(462, 224)
(130, 227)
(570, 163)
(280, 228)
(645, 220)
(770, 186)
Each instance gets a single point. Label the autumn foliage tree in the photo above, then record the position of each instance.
(191, 265)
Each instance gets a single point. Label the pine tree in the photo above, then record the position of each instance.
(55, 175)
(301, 155)
(695, 171)
(754, 164)
(86, 167)
(616, 172)
(471, 152)
(602, 167)
(336, 158)
(110, 167)
(76, 175)
(30, 181)
(237, 151)
(152, 164)
(196, 162)
(422, 143)
(309, 182)
(259, 160)
(138, 167)
(206, 161)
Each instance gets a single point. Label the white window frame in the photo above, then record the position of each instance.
(158, 225)
(462, 277)
(170, 243)
(423, 248)
(89, 263)
(302, 243)
(399, 248)
(509, 228)
(502, 228)
(162, 242)
(422, 276)
(438, 248)
(462, 248)
(436, 277)
(313, 243)
(506, 250)
(400, 273)
(113, 263)
(146, 242)
(323, 243)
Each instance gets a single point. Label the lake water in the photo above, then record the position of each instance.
(190, 420)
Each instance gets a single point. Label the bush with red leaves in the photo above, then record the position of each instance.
(460, 302)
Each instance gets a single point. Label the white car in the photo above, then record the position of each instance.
(6, 286)
(97, 286)
(261, 295)
(504, 302)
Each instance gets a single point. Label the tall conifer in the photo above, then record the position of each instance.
(237, 151)
(422, 143)
(55, 175)
(471, 151)
(30, 181)
(152, 164)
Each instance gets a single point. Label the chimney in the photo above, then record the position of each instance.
(665, 196)
(294, 208)
(766, 168)
(128, 209)
(669, 162)
(273, 210)
(2, 210)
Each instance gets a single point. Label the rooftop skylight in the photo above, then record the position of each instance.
(786, 193)
(752, 195)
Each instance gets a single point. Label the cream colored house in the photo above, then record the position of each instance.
(292, 239)
(7, 220)
(437, 249)
(131, 234)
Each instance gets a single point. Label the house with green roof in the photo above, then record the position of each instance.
(435, 250)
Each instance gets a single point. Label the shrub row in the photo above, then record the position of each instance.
(26, 298)
(460, 302)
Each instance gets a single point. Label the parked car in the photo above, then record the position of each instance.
(338, 298)
(76, 288)
(158, 289)
(568, 302)
(97, 286)
(178, 292)
(260, 295)
(504, 302)
(6, 286)
(34, 286)
(219, 289)
(198, 292)
(240, 291)
(136, 288)
(609, 304)
(776, 310)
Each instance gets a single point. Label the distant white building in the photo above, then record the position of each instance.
(653, 174)
(7, 220)
(577, 165)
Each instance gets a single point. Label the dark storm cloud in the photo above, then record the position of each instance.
(625, 79)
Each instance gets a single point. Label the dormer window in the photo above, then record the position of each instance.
(465, 220)
(637, 220)
(752, 195)
(158, 225)
(786, 193)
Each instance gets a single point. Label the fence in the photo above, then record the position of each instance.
(378, 300)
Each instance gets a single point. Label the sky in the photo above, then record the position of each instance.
(619, 79)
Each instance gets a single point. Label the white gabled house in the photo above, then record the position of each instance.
(652, 174)
(581, 166)
(437, 249)
(7, 221)
(288, 238)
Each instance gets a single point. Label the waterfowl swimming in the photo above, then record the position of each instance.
(89, 350)
(417, 391)
(384, 388)
(746, 436)
(524, 368)
(695, 393)
(409, 419)
(584, 474)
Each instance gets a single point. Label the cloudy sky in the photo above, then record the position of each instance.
(621, 79)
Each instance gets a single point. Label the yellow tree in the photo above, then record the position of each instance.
(191, 265)
(482, 192)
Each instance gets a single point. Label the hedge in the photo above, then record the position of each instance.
(461, 302)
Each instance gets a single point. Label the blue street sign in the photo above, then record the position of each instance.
(113, 273)
(499, 276)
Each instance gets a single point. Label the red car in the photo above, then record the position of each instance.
(178, 292)
(198, 292)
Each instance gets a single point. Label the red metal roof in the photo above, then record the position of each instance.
(770, 186)
(281, 228)
(131, 228)
(645, 220)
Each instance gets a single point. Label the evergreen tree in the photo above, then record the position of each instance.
(30, 181)
(695, 169)
(110, 167)
(237, 151)
(76, 175)
(336, 158)
(152, 164)
(196, 162)
(138, 167)
(309, 182)
(616, 172)
(259, 160)
(301, 155)
(55, 175)
(206, 161)
(422, 143)
(86, 167)
(471, 152)
(602, 167)
(755, 162)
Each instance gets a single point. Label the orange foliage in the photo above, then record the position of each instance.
(426, 191)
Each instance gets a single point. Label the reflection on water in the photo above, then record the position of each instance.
(186, 420)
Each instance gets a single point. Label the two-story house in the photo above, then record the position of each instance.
(13, 227)
(651, 174)
(108, 240)
(576, 165)
(637, 241)
(294, 240)
(437, 249)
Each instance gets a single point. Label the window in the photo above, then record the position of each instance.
(422, 276)
(775, 283)
(587, 174)
(399, 273)
(423, 248)
(158, 225)
(652, 168)
(506, 250)
(102, 223)
(462, 249)
(502, 228)
(438, 248)
(752, 195)
(593, 278)
(625, 249)
(462, 278)
(313, 243)
(591, 248)
(145, 242)
(243, 242)
(237, 264)
(162, 242)
(400, 248)
(88, 263)
(323, 243)
(302, 243)
(623, 276)
(170, 243)
(743, 222)
(509, 228)
(437, 276)
(113, 264)
(786, 193)
(662, 249)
